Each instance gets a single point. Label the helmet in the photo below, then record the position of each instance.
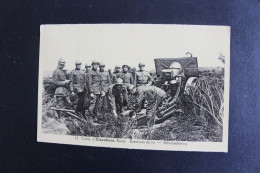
(87, 65)
(141, 64)
(117, 66)
(61, 61)
(102, 64)
(119, 81)
(130, 87)
(152, 72)
(126, 66)
(176, 68)
(176, 65)
(77, 62)
(95, 62)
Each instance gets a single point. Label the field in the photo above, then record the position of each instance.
(200, 118)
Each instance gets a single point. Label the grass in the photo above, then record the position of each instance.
(201, 120)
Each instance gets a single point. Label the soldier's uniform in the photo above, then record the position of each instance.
(94, 86)
(62, 85)
(154, 97)
(86, 67)
(115, 74)
(117, 95)
(78, 86)
(143, 77)
(59, 77)
(87, 99)
(126, 76)
(105, 83)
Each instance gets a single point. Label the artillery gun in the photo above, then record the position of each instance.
(176, 76)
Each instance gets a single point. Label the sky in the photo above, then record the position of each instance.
(118, 44)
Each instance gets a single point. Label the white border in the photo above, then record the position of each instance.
(157, 145)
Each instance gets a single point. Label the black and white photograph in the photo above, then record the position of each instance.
(136, 86)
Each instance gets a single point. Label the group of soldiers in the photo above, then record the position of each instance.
(122, 89)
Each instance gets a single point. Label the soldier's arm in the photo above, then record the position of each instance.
(111, 98)
(113, 78)
(150, 80)
(85, 77)
(109, 79)
(131, 79)
(56, 81)
(71, 81)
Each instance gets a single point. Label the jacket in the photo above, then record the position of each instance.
(94, 82)
(117, 94)
(78, 81)
(126, 77)
(143, 78)
(59, 76)
(105, 81)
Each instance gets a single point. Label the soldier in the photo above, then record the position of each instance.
(143, 77)
(116, 73)
(88, 68)
(78, 86)
(154, 97)
(86, 101)
(125, 75)
(105, 83)
(105, 78)
(61, 82)
(118, 97)
(94, 88)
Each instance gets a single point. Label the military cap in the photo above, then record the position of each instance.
(87, 65)
(95, 62)
(141, 64)
(119, 81)
(117, 66)
(78, 62)
(102, 64)
(61, 61)
(126, 66)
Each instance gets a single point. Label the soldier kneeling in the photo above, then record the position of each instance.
(154, 97)
(117, 95)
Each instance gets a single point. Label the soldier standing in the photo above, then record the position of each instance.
(116, 73)
(143, 77)
(154, 97)
(88, 68)
(78, 86)
(125, 75)
(94, 88)
(61, 82)
(86, 100)
(105, 83)
(117, 97)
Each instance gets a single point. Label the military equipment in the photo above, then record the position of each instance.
(176, 76)
(95, 62)
(171, 71)
(78, 62)
(61, 61)
(102, 64)
(141, 64)
(87, 65)
(119, 81)
(126, 66)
